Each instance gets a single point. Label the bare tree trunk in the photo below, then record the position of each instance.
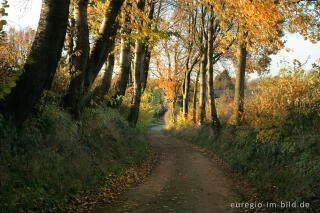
(103, 89)
(148, 49)
(79, 58)
(203, 65)
(138, 68)
(42, 61)
(104, 43)
(195, 98)
(125, 69)
(125, 60)
(173, 109)
(192, 21)
(130, 80)
(141, 66)
(186, 87)
(240, 79)
(186, 91)
(140, 49)
(98, 55)
(107, 77)
(213, 111)
(146, 68)
(203, 86)
(70, 39)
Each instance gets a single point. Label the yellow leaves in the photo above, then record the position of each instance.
(229, 35)
(303, 17)
(280, 100)
(96, 12)
(13, 52)
(260, 19)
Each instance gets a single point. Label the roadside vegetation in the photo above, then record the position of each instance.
(276, 147)
(53, 157)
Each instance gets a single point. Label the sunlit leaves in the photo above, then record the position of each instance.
(303, 17)
(13, 53)
(285, 104)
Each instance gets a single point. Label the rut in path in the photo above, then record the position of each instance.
(185, 181)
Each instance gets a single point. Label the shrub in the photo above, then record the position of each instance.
(53, 157)
(224, 106)
(286, 105)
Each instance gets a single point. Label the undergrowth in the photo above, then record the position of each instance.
(53, 157)
(279, 171)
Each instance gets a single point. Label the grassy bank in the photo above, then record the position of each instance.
(53, 157)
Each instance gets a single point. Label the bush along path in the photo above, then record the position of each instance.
(53, 159)
(184, 181)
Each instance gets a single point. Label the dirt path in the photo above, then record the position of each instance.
(185, 181)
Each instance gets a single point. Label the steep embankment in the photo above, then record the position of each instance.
(55, 159)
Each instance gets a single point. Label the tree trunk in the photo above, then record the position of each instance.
(130, 80)
(186, 91)
(98, 55)
(240, 79)
(138, 68)
(141, 67)
(186, 87)
(125, 69)
(213, 111)
(173, 110)
(70, 39)
(106, 82)
(104, 87)
(107, 77)
(148, 50)
(104, 43)
(144, 77)
(42, 61)
(203, 86)
(195, 91)
(125, 60)
(79, 58)
(192, 22)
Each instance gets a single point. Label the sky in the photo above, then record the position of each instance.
(23, 13)
(26, 13)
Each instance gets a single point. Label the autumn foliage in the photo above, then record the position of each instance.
(14, 49)
(70, 138)
(285, 105)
